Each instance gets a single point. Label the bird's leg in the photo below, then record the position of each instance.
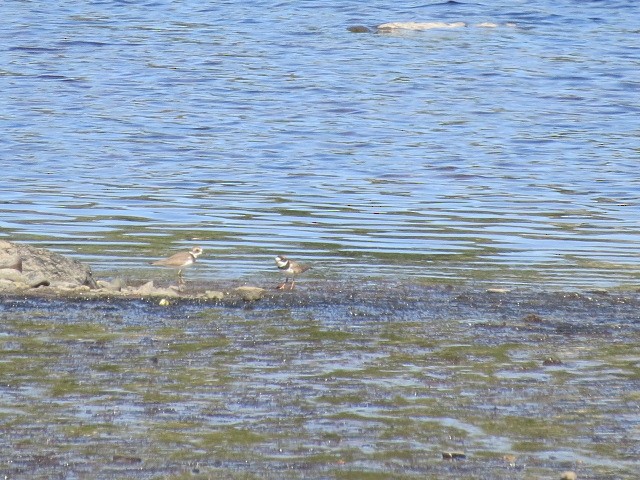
(293, 282)
(281, 287)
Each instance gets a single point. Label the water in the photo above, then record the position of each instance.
(373, 382)
(505, 155)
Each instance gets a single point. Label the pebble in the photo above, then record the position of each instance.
(568, 475)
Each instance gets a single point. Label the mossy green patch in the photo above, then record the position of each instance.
(520, 426)
(187, 347)
(228, 436)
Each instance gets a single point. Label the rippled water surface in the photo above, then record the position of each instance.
(508, 154)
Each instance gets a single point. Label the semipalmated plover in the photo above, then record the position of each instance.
(289, 268)
(180, 261)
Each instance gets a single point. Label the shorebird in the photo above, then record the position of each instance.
(180, 261)
(289, 268)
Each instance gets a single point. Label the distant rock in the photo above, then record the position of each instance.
(395, 27)
(36, 267)
(419, 25)
(359, 29)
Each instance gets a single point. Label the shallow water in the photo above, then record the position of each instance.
(412, 170)
(349, 383)
(504, 155)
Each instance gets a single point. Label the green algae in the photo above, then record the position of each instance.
(231, 392)
(186, 348)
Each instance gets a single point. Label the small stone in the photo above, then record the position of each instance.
(149, 290)
(214, 295)
(146, 289)
(250, 294)
(64, 286)
(453, 455)
(164, 302)
(569, 475)
(116, 285)
(532, 318)
(551, 361)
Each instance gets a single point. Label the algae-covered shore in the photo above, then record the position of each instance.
(368, 380)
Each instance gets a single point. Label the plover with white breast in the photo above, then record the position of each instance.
(289, 268)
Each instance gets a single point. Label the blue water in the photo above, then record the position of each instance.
(509, 155)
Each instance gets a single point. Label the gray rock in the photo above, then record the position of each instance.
(9, 258)
(9, 286)
(150, 290)
(116, 285)
(146, 289)
(36, 279)
(250, 294)
(11, 275)
(214, 295)
(52, 267)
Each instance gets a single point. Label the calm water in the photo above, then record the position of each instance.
(507, 155)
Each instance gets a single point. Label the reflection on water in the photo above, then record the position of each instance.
(501, 155)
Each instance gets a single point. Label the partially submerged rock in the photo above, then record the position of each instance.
(419, 25)
(36, 271)
(31, 267)
(395, 27)
(150, 290)
(250, 294)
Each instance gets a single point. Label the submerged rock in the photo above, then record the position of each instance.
(359, 29)
(35, 267)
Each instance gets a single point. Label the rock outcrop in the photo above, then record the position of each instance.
(24, 266)
(28, 270)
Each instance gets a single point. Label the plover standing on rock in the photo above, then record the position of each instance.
(180, 261)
